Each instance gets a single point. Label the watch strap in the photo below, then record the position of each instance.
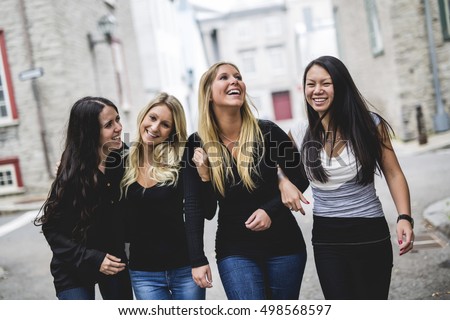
(406, 217)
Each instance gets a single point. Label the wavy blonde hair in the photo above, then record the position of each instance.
(250, 141)
(166, 155)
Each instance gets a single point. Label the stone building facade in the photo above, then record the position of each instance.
(270, 41)
(51, 36)
(386, 46)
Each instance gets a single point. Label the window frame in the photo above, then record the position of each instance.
(6, 84)
(444, 12)
(373, 20)
(248, 62)
(277, 59)
(273, 27)
(12, 164)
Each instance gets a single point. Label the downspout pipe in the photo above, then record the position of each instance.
(441, 119)
(35, 90)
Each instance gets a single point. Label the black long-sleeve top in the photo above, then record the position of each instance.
(233, 238)
(156, 227)
(77, 263)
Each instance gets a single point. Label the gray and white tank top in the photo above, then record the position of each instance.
(341, 196)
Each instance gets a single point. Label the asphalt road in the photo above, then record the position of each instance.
(421, 274)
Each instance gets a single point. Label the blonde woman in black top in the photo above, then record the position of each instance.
(260, 249)
(153, 205)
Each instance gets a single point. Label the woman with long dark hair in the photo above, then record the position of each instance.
(80, 219)
(343, 145)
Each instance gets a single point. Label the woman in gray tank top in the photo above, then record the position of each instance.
(343, 145)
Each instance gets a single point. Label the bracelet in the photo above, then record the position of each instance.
(406, 217)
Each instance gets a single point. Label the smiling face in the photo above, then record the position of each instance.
(110, 130)
(227, 88)
(319, 89)
(156, 125)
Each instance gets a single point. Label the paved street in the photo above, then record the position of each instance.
(422, 274)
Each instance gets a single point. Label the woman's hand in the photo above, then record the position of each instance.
(202, 276)
(405, 236)
(111, 265)
(290, 195)
(200, 159)
(258, 221)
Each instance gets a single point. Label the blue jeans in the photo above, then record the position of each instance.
(175, 284)
(116, 287)
(277, 278)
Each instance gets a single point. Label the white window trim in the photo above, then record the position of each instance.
(376, 40)
(14, 187)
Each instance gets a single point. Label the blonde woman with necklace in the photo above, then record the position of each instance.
(153, 205)
(260, 249)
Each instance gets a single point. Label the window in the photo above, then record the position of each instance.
(8, 111)
(10, 177)
(376, 41)
(308, 19)
(248, 62)
(244, 31)
(273, 27)
(444, 10)
(276, 59)
(282, 105)
(215, 44)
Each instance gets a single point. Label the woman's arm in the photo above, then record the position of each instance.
(67, 250)
(291, 196)
(58, 233)
(200, 159)
(284, 153)
(194, 216)
(399, 190)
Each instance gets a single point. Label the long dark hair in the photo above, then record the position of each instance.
(77, 177)
(349, 114)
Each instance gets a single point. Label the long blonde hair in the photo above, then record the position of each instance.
(250, 141)
(166, 155)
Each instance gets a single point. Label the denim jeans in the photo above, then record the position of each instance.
(79, 293)
(277, 278)
(116, 287)
(175, 284)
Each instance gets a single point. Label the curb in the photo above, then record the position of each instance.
(20, 204)
(435, 142)
(438, 215)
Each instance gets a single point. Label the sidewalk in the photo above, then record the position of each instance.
(435, 142)
(438, 214)
(20, 203)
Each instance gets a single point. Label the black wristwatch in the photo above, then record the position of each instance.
(406, 217)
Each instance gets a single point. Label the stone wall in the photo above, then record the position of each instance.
(58, 36)
(401, 78)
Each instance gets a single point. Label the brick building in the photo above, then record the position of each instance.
(396, 61)
(51, 36)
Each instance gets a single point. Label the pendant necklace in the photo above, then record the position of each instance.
(234, 142)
